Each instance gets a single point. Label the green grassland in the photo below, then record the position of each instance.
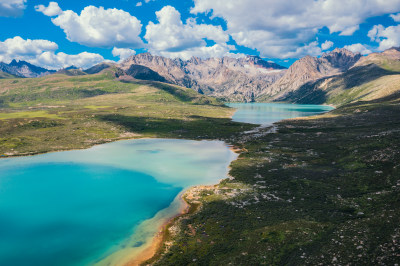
(321, 191)
(60, 112)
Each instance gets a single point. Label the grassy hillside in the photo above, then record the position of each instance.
(4, 75)
(59, 112)
(321, 191)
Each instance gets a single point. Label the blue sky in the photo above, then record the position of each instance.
(56, 34)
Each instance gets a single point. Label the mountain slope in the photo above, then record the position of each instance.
(24, 69)
(98, 68)
(310, 69)
(372, 77)
(144, 73)
(232, 79)
(389, 59)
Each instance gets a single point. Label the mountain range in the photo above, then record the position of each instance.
(23, 69)
(309, 80)
(242, 79)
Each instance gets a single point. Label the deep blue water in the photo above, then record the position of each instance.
(77, 207)
(269, 113)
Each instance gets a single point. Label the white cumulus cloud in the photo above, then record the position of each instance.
(17, 48)
(280, 28)
(51, 60)
(358, 48)
(395, 17)
(123, 53)
(43, 53)
(52, 10)
(311, 49)
(327, 45)
(173, 38)
(386, 37)
(12, 8)
(217, 50)
(99, 27)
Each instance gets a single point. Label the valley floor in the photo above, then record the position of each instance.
(322, 190)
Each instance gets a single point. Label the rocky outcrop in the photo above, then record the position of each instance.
(241, 79)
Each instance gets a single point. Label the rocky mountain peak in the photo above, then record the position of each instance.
(341, 59)
(310, 68)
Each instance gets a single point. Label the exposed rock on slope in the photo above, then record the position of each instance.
(309, 69)
(233, 79)
(24, 69)
(372, 77)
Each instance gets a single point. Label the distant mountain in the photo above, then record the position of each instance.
(98, 68)
(232, 79)
(309, 69)
(372, 77)
(71, 71)
(336, 77)
(24, 69)
(389, 59)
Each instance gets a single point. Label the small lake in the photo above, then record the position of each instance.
(269, 113)
(79, 207)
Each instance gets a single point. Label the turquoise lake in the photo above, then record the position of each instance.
(269, 113)
(99, 205)
(79, 207)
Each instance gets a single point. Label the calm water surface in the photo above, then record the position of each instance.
(269, 113)
(78, 207)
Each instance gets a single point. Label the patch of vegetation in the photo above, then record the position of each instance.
(60, 112)
(28, 114)
(321, 191)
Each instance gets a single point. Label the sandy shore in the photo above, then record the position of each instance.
(156, 243)
(158, 240)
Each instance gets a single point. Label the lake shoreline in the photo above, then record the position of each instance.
(156, 247)
(150, 229)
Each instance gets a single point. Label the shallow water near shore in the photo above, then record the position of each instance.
(269, 113)
(83, 207)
